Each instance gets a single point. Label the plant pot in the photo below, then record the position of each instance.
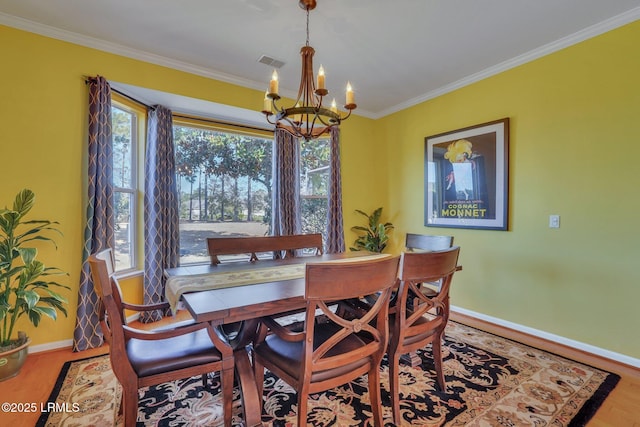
(12, 360)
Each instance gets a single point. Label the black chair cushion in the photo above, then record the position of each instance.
(435, 325)
(288, 355)
(155, 357)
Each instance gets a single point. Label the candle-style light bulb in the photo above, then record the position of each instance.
(350, 97)
(273, 85)
(334, 106)
(266, 105)
(297, 117)
(321, 77)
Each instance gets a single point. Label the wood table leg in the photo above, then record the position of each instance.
(239, 336)
(412, 359)
(248, 389)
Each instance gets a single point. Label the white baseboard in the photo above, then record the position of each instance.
(65, 343)
(57, 345)
(588, 348)
(618, 357)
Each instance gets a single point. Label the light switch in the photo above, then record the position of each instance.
(554, 221)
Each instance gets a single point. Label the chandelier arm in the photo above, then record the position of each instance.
(288, 130)
(296, 132)
(289, 121)
(341, 118)
(307, 83)
(275, 109)
(268, 117)
(333, 119)
(316, 118)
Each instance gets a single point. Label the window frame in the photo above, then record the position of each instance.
(304, 196)
(138, 144)
(136, 194)
(214, 125)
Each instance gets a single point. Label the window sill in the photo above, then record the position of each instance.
(126, 274)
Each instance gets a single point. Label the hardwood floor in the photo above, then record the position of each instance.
(34, 383)
(38, 376)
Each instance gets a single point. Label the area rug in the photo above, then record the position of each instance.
(490, 381)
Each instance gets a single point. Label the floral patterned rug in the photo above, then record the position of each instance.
(490, 381)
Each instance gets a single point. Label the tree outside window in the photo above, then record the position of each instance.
(124, 134)
(224, 181)
(314, 184)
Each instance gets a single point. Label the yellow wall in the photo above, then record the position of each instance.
(575, 145)
(43, 115)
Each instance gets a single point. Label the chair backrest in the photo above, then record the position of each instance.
(278, 246)
(108, 257)
(419, 267)
(331, 282)
(426, 242)
(110, 310)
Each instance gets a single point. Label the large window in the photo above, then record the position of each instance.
(125, 145)
(224, 182)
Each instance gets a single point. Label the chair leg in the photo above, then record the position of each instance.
(303, 402)
(226, 379)
(436, 347)
(204, 381)
(394, 385)
(130, 402)
(374, 396)
(258, 374)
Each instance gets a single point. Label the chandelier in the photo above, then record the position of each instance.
(308, 118)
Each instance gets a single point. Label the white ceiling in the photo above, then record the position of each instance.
(395, 53)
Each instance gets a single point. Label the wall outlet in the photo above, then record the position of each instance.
(554, 221)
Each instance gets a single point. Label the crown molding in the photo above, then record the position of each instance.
(94, 43)
(580, 36)
(117, 49)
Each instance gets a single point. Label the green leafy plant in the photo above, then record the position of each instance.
(25, 286)
(376, 234)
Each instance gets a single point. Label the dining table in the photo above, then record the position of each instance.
(234, 296)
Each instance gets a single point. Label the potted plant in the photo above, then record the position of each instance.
(25, 285)
(376, 234)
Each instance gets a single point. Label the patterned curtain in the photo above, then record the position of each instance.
(286, 185)
(161, 221)
(335, 228)
(99, 228)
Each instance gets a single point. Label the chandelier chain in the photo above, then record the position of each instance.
(307, 26)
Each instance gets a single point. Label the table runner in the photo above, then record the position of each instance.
(178, 285)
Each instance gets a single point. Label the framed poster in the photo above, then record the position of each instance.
(466, 177)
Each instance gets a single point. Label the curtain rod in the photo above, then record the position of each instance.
(131, 98)
(220, 122)
(185, 116)
(87, 80)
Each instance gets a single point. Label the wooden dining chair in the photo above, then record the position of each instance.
(259, 247)
(423, 322)
(141, 358)
(336, 350)
(427, 243)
